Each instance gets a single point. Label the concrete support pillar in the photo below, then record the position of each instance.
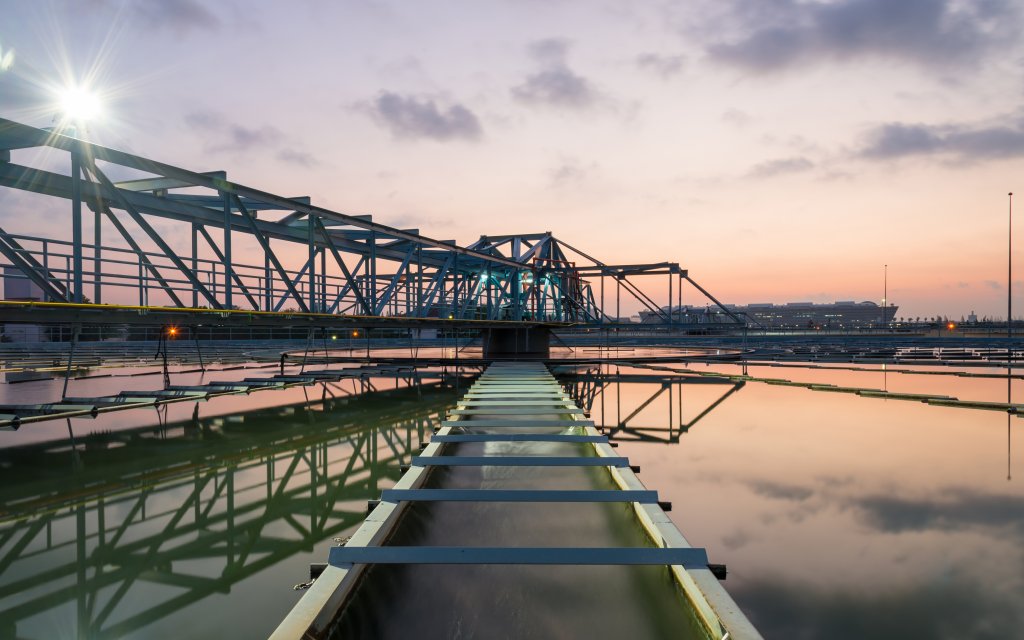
(527, 343)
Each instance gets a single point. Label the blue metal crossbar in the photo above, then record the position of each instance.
(513, 411)
(518, 461)
(525, 400)
(688, 557)
(517, 495)
(491, 397)
(515, 388)
(516, 437)
(516, 424)
(529, 389)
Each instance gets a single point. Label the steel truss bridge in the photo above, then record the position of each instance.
(145, 239)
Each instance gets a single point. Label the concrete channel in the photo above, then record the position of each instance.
(519, 519)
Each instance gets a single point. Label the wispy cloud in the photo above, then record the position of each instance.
(736, 117)
(411, 117)
(950, 605)
(780, 491)
(177, 15)
(957, 142)
(300, 158)
(934, 33)
(957, 509)
(220, 135)
(781, 166)
(570, 171)
(555, 84)
(665, 66)
(223, 135)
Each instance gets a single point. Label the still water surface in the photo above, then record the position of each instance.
(838, 516)
(841, 516)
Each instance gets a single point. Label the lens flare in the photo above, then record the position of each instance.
(78, 104)
(6, 59)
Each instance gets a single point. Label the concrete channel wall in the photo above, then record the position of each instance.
(519, 519)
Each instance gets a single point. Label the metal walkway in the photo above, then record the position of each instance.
(515, 443)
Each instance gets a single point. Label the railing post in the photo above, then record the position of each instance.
(670, 296)
(517, 305)
(323, 280)
(227, 249)
(372, 272)
(420, 311)
(195, 262)
(76, 224)
(455, 291)
(97, 257)
(311, 231)
(268, 281)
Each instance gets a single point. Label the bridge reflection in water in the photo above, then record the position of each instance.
(636, 405)
(109, 534)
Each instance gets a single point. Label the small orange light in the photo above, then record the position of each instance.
(173, 331)
(951, 326)
(355, 334)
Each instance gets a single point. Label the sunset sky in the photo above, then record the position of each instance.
(780, 150)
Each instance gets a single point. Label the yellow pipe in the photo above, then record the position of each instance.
(302, 314)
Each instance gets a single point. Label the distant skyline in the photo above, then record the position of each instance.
(780, 150)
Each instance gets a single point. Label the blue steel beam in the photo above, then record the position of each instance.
(220, 256)
(386, 295)
(143, 258)
(688, 557)
(10, 249)
(156, 238)
(270, 253)
(360, 300)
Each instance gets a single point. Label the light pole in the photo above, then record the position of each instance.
(885, 293)
(1009, 331)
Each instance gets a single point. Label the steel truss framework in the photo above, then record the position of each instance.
(188, 240)
(590, 388)
(250, 506)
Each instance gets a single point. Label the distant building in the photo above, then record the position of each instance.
(792, 315)
(18, 287)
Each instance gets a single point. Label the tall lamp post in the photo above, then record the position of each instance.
(1009, 331)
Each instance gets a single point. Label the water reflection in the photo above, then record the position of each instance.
(626, 416)
(170, 530)
(839, 516)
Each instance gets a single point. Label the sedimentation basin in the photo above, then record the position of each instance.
(519, 519)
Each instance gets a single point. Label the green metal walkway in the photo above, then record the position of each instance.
(519, 519)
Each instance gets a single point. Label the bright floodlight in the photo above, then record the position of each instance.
(79, 105)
